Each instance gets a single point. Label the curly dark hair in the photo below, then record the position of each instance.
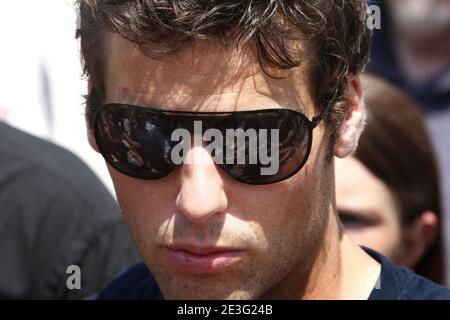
(334, 35)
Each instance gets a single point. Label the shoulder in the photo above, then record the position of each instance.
(135, 283)
(399, 283)
(43, 172)
(50, 192)
(57, 213)
(420, 288)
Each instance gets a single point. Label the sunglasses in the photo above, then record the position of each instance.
(139, 141)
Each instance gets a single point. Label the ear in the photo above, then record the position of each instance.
(354, 119)
(90, 134)
(417, 238)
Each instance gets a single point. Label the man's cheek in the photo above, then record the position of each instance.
(143, 218)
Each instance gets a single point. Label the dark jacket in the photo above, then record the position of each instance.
(54, 213)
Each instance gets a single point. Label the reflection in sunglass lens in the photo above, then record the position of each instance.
(267, 146)
(288, 130)
(134, 143)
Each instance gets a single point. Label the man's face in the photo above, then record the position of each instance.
(203, 234)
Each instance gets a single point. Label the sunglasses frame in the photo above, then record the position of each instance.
(94, 117)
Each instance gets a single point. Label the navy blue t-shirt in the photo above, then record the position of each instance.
(395, 283)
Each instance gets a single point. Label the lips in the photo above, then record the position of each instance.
(202, 260)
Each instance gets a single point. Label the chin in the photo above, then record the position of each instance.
(202, 288)
(211, 296)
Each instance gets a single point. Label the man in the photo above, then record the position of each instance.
(412, 49)
(61, 233)
(213, 229)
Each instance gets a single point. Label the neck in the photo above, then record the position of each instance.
(421, 59)
(340, 271)
(344, 270)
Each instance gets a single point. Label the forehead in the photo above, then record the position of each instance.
(203, 77)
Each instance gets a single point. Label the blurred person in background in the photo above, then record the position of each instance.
(40, 84)
(25, 89)
(388, 195)
(412, 50)
(55, 213)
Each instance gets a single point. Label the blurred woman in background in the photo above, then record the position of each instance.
(388, 193)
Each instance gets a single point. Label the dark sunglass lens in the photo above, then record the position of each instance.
(281, 147)
(134, 141)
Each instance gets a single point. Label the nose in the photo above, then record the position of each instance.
(202, 193)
